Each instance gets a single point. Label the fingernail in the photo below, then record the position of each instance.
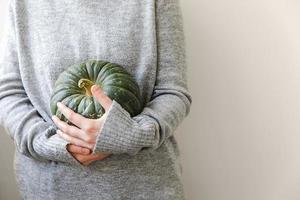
(95, 88)
(60, 104)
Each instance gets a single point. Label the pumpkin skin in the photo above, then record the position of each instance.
(73, 85)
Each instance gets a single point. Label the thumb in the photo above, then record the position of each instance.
(103, 99)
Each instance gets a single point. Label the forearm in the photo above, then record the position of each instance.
(32, 135)
(149, 129)
(170, 102)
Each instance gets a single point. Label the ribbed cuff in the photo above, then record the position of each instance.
(121, 134)
(51, 146)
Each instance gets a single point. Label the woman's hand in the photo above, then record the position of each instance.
(83, 137)
(84, 156)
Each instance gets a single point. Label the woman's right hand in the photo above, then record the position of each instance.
(84, 155)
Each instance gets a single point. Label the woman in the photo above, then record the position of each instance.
(115, 156)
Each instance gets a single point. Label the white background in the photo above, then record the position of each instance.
(241, 140)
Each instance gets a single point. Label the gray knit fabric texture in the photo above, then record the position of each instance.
(146, 37)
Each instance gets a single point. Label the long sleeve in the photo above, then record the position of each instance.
(32, 135)
(170, 102)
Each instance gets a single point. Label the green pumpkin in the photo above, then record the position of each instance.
(73, 88)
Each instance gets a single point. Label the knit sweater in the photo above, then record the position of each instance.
(146, 37)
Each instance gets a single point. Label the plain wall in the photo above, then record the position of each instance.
(241, 140)
(8, 188)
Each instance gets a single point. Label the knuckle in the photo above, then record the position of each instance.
(91, 129)
(88, 139)
(91, 126)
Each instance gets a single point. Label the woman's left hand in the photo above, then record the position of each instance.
(87, 130)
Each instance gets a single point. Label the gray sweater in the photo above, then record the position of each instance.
(146, 37)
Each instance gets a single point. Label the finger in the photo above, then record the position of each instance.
(78, 150)
(84, 159)
(87, 163)
(72, 116)
(68, 129)
(79, 157)
(103, 99)
(88, 159)
(74, 140)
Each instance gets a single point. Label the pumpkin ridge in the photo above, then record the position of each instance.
(98, 66)
(111, 73)
(99, 110)
(123, 78)
(90, 108)
(105, 68)
(64, 102)
(89, 66)
(71, 72)
(121, 88)
(126, 83)
(64, 86)
(57, 97)
(117, 67)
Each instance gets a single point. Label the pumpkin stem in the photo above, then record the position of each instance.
(86, 84)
